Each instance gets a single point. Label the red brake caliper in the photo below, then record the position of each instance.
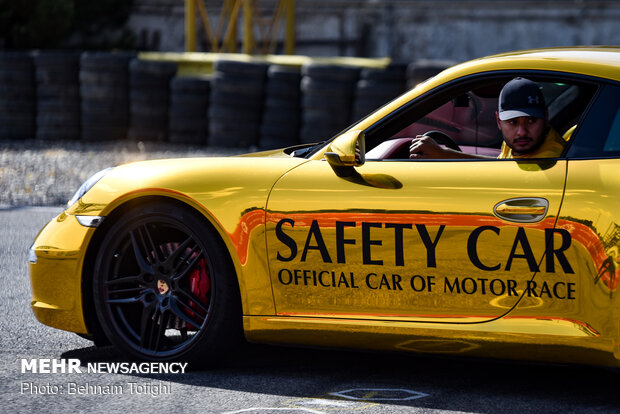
(200, 285)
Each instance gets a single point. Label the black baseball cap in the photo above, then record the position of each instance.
(521, 97)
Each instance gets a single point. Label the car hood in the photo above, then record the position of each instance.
(206, 181)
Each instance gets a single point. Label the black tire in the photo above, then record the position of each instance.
(17, 90)
(249, 69)
(143, 132)
(311, 133)
(58, 95)
(162, 262)
(152, 69)
(58, 133)
(15, 76)
(327, 88)
(331, 72)
(233, 115)
(58, 119)
(145, 81)
(189, 100)
(118, 80)
(106, 61)
(156, 125)
(16, 106)
(394, 72)
(278, 135)
(193, 137)
(284, 73)
(277, 104)
(227, 135)
(326, 118)
(242, 87)
(191, 85)
(283, 90)
(422, 69)
(188, 124)
(361, 111)
(286, 114)
(103, 93)
(97, 132)
(217, 98)
(325, 101)
(380, 89)
(155, 112)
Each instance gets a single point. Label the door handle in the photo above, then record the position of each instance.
(522, 210)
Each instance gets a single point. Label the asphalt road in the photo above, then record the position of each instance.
(267, 379)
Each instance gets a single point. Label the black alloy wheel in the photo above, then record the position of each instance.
(163, 289)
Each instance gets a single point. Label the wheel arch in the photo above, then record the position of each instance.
(88, 268)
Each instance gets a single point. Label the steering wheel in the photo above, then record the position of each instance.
(443, 139)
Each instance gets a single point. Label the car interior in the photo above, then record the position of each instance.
(466, 114)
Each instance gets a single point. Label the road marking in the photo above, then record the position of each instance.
(257, 409)
(325, 403)
(329, 404)
(379, 394)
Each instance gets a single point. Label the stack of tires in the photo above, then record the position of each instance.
(376, 87)
(58, 95)
(327, 97)
(236, 103)
(421, 70)
(281, 114)
(149, 97)
(104, 89)
(17, 96)
(189, 101)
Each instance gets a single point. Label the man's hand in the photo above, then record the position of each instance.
(423, 146)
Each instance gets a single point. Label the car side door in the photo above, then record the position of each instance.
(441, 240)
(590, 214)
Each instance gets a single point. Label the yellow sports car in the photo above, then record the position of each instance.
(352, 243)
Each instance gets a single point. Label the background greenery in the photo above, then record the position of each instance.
(92, 24)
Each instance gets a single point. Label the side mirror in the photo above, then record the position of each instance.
(341, 154)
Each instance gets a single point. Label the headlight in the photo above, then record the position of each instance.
(32, 255)
(87, 185)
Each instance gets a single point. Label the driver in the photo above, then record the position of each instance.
(523, 120)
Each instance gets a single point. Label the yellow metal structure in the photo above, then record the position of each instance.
(232, 10)
(190, 25)
(334, 250)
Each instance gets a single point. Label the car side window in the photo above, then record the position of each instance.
(468, 116)
(612, 144)
(598, 136)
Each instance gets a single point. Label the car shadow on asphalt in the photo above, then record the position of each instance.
(318, 373)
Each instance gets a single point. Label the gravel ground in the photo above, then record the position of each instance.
(44, 173)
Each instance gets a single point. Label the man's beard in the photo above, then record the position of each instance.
(538, 144)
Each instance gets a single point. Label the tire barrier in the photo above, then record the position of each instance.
(421, 70)
(326, 101)
(104, 89)
(281, 114)
(17, 95)
(377, 87)
(236, 103)
(243, 104)
(189, 101)
(149, 93)
(58, 95)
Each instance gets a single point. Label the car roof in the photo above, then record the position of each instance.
(601, 61)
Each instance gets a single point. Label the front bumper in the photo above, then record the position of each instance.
(56, 273)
